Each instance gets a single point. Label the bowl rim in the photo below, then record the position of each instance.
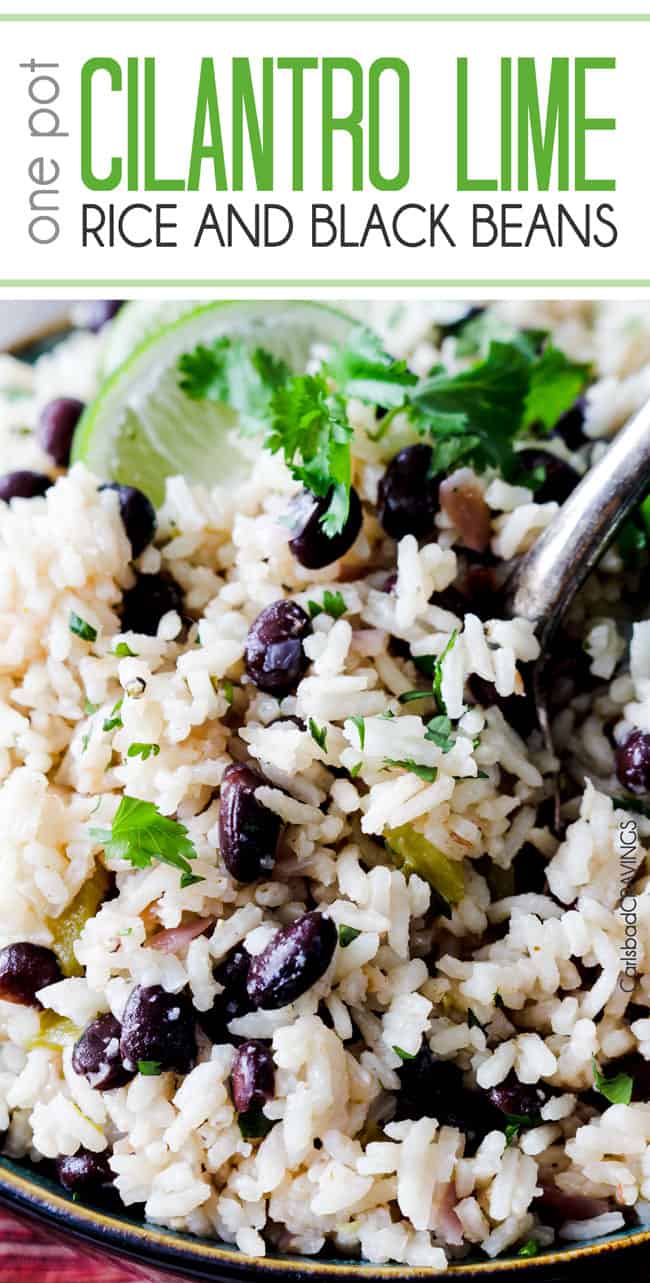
(179, 1250)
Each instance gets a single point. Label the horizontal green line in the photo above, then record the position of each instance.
(325, 17)
(329, 282)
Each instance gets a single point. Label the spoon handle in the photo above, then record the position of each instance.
(557, 565)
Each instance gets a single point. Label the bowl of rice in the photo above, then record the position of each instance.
(300, 970)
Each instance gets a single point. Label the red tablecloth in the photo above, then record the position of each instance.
(29, 1254)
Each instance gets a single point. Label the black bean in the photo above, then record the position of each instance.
(633, 762)
(158, 1027)
(24, 969)
(144, 605)
(96, 1055)
(23, 485)
(85, 1173)
(275, 658)
(560, 478)
(248, 831)
(57, 422)
(432, 1088)
(407, 498)
(296, 957)
(529, 867)
(520, 1099)
(518, 710)
(101, 311)
(253, 1076)
(309, 543)
(138, 515)
(234, 1002)
(570, 426)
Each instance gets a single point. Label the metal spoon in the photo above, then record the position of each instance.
(548, 577)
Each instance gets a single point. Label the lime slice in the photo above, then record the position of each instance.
(135, 322)
(142, 427)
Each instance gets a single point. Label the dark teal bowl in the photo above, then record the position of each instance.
(27, 1191)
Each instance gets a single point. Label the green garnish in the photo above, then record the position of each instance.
(439, 732)
(110, 723)
(190, 880)
(333, 604)
(362, 369)
(140, 834)
(85, 741)
(89, 708)
(354, 770)
(319, 734)
(123, 651)
(149, 1068)
(254, 1124)
(230, 373)
(347, 935)
(309, 426)
(511, 1132)
(408, 697)
(631, 804)
(404, 1055)
(417, 855)
(438, 674)
(81, 628)
(361, 729)
(617, 1090)
(145, 751)
(428, 773)
(227, 689)
(529, 1248)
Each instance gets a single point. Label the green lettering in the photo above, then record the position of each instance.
(556, 125)
(349, 124)
(260, 138)
(88, 176)
(375, 175)
(297, 67)
(206, 114)
(584, 124)
(463, 182)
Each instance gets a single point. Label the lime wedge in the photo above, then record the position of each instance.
(137, 321)
(142, 427)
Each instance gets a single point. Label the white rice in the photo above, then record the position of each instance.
(519, 987)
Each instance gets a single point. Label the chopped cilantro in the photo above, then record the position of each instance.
(319, 734)
(354, 770)
(428, 773)
(617, 1090)
(190, 880)
(227, 689)
(89, 708)
(140, 834)
(145, 751)
(361, 729)
(254, 1124)
(123, 651)
(85, 741)
(149, 1068)
(407, 697)
(347, 935)
(81, 628)
(404, 1055)
(511, 1132)
(438, 674)
(439, 732)
(529, 1248)
(633, 804)
(232, 373)
(333, 604)
(555, 384)
(110, 723)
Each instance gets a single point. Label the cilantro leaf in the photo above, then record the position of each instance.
(149, 1068)
(438, 673)
(407, 697)
(404, 1055)
(254, 1124)
(318, 733)
(554, 386)
(140, 834)
(511, 1132)
(361, 730)
(439, 732)
(114, 721)
(233, 374)
(354, 770)
(90, 708)
(308, 424)
(529, 1248)
(347, 935)
(428, 773)
(145, 751)
(333, 604)
(361, 368)
(123, 651)
(617, 1090)
(81, 628)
